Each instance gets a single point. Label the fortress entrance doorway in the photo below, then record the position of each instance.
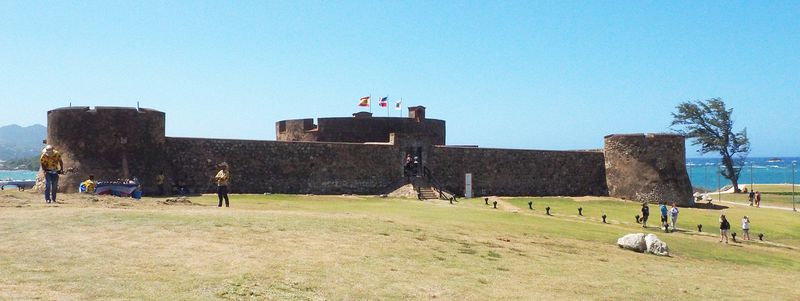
(412, 165)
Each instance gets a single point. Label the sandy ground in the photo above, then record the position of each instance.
(14, 198)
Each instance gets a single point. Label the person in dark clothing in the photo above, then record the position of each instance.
(645, 214)
(751, 196)
(408, 165)
(724, 226)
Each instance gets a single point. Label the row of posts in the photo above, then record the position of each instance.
(580, 212)
(547, 209)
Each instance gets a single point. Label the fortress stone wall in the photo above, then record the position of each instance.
(520, 172)
(358, 155)
(286, 167)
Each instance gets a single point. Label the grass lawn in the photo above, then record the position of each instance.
(288, 247)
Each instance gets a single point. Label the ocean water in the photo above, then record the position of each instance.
(705, 172)
(17, 175)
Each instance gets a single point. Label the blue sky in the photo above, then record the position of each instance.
(536, 75)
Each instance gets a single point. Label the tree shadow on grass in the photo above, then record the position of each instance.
(710, 206)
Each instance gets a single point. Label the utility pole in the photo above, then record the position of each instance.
(719, 188)
(751, 175)
(794, 163)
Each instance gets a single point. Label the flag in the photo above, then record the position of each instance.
(397, 105)
(364, 101)
(384, 102)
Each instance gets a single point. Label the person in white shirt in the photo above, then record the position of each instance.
(746, 227)
(674, 215)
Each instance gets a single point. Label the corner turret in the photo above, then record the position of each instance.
(648, 167)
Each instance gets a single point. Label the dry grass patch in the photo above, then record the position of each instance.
(354, 248)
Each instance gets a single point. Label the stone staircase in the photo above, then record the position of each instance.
(426, 186)
(427, 192)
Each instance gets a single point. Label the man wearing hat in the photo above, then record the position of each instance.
(222, 183)
(52, 165)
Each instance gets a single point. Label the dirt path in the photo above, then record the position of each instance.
(502, 204)
(762, 206)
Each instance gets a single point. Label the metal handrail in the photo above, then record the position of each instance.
(426, 172)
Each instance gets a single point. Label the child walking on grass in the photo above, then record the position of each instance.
(746, 228)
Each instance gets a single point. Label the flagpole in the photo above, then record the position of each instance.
(370, 103)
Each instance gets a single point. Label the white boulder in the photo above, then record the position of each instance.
(656, 246)
(634, 241)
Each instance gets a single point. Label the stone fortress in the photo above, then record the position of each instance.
(362, 154)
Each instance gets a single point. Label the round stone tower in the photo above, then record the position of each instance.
(363, 127)
(108, 142)
(648, 167)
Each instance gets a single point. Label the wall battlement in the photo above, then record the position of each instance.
(362, 154)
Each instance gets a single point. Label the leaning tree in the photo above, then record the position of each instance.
(709, 124)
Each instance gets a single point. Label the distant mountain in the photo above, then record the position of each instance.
(18, 142)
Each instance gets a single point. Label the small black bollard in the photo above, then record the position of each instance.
(760, 236)
(548, 210)
(530, 205)
(637, 219)
(494, 204)
(699, 227)
(604, 218)
(734, 236)
(486, 200)
(580, 211)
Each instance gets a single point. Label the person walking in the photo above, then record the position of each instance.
(746, 228)
(751, 197)
(664, 221)
(673, 212)
(724, 226)
(52, 165)
(758, 199)
(645, 214)
(222, 178)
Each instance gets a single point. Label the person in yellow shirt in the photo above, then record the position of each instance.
(52, 165)
(90, 184)
(221, 179)
(160, 178)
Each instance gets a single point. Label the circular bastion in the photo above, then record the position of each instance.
(648, 167)
(108, 142)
